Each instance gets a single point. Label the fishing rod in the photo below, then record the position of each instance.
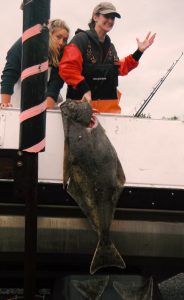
(140, 110)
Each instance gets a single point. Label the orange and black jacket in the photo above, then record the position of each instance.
(87, 64)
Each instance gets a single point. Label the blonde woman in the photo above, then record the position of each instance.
(58, 36)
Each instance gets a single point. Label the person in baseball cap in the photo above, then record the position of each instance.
(90, 64)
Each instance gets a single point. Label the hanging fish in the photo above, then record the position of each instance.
(93, 176)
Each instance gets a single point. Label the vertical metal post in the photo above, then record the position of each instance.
(30, 173)
(35, 38)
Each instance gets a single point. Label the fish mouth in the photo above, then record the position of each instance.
(94, 121)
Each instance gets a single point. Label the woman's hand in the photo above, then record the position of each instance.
(5, 101)
(142, 46)
(50, 103)
(87, 97)
(4, 105)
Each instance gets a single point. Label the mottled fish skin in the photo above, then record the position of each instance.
(91, 289)
(148, 291)
(95, 177)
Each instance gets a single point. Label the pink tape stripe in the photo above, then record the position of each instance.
(33, 111)
(36, 148)
(34, 70)
(31, 32)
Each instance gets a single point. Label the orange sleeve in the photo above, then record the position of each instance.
(70, 66)
(126, 65)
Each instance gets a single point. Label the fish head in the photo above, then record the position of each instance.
(80, 112)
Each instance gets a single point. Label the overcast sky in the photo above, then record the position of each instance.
(165, 17)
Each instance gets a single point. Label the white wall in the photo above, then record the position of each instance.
(151, 151)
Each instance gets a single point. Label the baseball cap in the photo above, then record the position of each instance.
(106, 8)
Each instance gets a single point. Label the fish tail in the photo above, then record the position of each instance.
(106, 255)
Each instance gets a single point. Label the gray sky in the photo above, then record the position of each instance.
(165, 17)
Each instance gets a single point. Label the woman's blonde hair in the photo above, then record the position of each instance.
(54, 53)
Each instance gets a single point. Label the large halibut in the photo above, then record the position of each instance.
(93, 175)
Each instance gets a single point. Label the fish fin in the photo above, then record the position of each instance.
(149, 291)
(66, 165)
(120, 173)
(106, 255)
(91, 289)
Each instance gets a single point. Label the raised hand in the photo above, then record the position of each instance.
(148, 41)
